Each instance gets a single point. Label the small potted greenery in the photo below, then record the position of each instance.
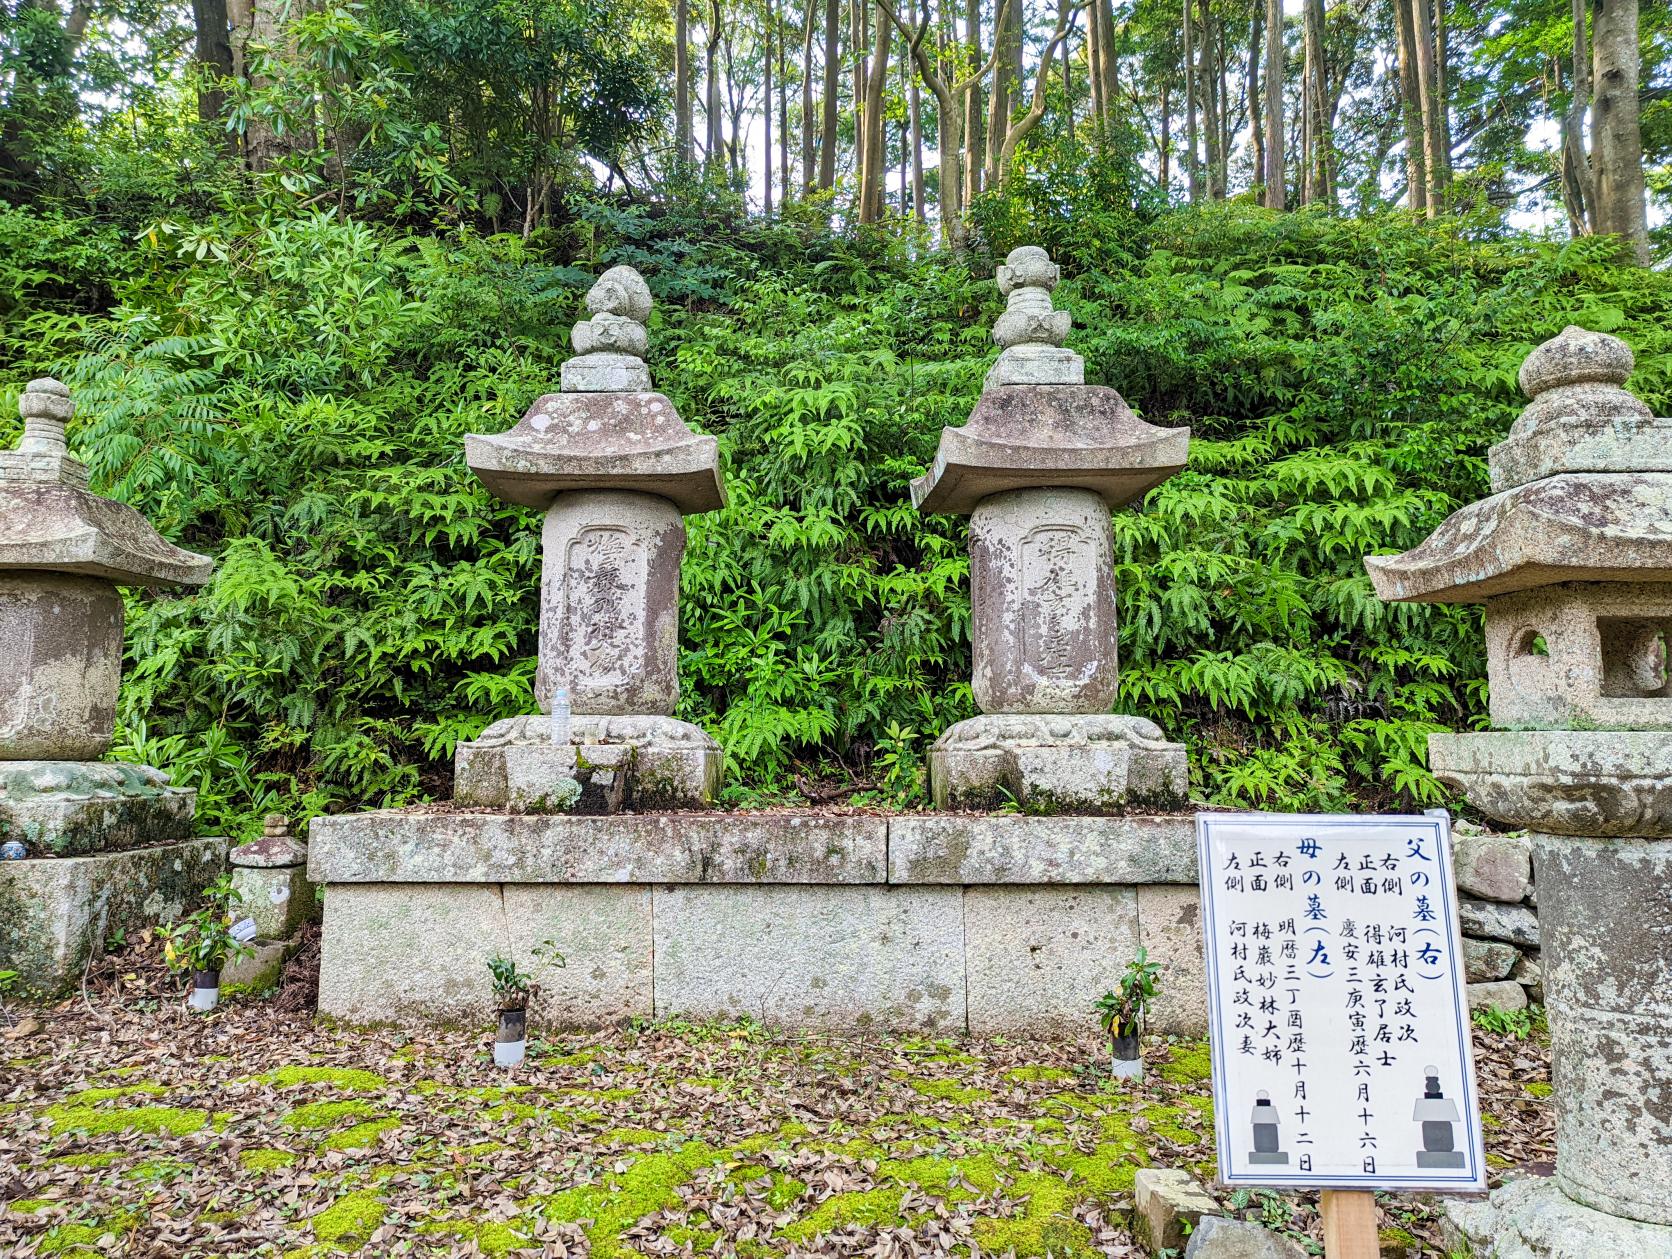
(1121, 1014)
(203, 942)
(512, 991)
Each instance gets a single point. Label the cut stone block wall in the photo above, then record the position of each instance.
(1498, 910)
(992, 925)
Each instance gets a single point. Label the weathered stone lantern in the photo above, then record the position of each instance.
(614, 469)
(1038, 468)
(91, 828)
(1572, 557)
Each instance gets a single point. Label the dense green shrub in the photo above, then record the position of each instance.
(290, 394)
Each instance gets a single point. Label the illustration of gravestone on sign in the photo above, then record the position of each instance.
(1039, 465)
(614, 469)
(108, 845)
(1572, 557)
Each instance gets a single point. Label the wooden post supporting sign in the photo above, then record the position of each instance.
(1350, 1224)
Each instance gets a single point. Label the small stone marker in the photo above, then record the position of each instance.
(1337, 1011)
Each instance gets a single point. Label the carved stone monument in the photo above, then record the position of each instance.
(1572, 557)
(107, 844)
(1038, 467)
(614, 469)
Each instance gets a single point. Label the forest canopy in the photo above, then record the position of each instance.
(288, 255)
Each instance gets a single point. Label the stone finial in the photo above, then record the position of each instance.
(46, 408)
(1031, 330)
(1027, 278)
(611, 345)
(275, 825)
(1580, 417)
(276, 848)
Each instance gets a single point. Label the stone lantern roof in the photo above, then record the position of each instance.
(54, 524)
(1038, 424)
(606, 429)
(1584, 484)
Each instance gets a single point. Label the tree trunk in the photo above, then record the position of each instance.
(974, 111)
(1578, 190)
(832, 78)
(766, 111)
(783, 111)
(1190, 173)
(1434, 155)
(872, 150)
(1321, 144)
(916, 104)
(1094, 75)
(1616, 131)
(716, 132)
(1251, 89)
(1274, 171)
(1108, 68)
(685, 140)
(1165, 155)
(1207, 77)
(214, 54)
(1410, 90)
(808, 161)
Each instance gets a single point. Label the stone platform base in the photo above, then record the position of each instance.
(74, 808)
(617, 762)
(1533, 1219)
(54, 911)
(989, 925)
(1081, 763)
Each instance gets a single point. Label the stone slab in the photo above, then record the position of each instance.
(1167, 1204)
(1051, 850)
(635, 762)
(1531, 1218)
(1504, 995)
(395, 953)
(76, 808)
(465, 847)
(1492, 867)
(1038, 958)
(53, 911)
(1071, 763)
(1488, 920)
(1170, 930)
(1568, 782)
(812, 957)
(1486, 961)
(1217, 1237)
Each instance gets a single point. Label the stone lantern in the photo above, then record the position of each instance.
(614, 469)
(1040, 464)
(1572, 557)
(83, 823)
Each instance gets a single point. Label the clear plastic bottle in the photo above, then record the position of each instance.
(560, 716)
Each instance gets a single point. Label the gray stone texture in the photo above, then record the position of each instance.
(1531, 1218)
(1071, 763)
(74, 808)
(1037, 959)
(466, 847)
(1041, 850)
(54, 912)
(1607, 912)
(278, 898)
(665, 764)
(812, 957)
(1167, 1203)
(1485, 961)
(62, 637)
(1501, 995)
(1042, 603)
(1488, 920)
(1492, 867)
(398, 953)
(1529, 973)
(609, 602)
(1219, 1238)
(1571, 782)
(1581, 656)
(1027, 436)
(1170, 931)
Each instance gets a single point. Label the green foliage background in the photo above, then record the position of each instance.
(288, 390)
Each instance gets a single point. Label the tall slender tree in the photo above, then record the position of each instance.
(1274, 175)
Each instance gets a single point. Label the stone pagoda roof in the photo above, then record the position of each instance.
(1585, 480)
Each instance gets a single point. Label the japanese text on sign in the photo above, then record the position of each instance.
(1337, 1009)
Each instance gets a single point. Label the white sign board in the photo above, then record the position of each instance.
(1336, 1003)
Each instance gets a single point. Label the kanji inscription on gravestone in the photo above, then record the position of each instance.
(1336, 1004)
